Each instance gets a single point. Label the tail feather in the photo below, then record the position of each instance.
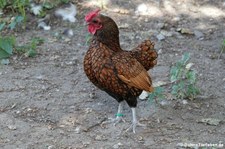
(145, 54)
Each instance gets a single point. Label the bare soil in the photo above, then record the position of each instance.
(48, 102)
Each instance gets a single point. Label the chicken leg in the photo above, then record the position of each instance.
(135, 122)
(119, 115)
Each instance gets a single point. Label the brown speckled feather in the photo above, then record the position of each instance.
(130, 71)
(145, 54)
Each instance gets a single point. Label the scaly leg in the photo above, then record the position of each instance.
(119, 115)
(135, 122)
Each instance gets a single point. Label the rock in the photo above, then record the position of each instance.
(124, 26)
(77, 130)
(160, 37)
(185, 31)
(118, 145)
(44, 26)
(100, 138)
(68, 32)
(184, 102)
(198, 34)
(161, 25)
(51, 147)
(166, 33)
(12, 127)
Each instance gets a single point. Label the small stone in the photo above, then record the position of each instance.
(77, 130)
(118, 145)
(92, 95)
(198, 34)
(185, 31)
(67, 40)
(123, 26)
(184, 102)
(51, 147)
(164, 102)
(68, 32)
(12, 127)
(98, 138)
(160, 37)
(44, 26)
(166, 33)
(161, 25)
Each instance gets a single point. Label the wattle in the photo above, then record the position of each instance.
(92, 29)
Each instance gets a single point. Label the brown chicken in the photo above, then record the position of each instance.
(122, 74)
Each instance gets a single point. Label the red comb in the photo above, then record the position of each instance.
(91, 15)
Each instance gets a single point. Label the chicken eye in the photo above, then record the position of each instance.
(95, 21)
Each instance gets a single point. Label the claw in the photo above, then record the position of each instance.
(135, 123)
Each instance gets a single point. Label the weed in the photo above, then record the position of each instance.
(29, 49)
(6, 46)
(222, 48)
(157, 94)
(184, 79)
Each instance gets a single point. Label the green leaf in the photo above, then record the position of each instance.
(31, 53)
(5, 61)
(173, 74)
(4, 54)
(2, 25)
(175, 89)
(191, 76)
(7, 44)
(158, 93)
(65, 1)
(48, 5)
(12, 25)
(19, 19)
(185, 58)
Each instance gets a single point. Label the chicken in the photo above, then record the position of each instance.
(121, 74)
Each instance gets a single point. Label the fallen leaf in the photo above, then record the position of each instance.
(210, 121)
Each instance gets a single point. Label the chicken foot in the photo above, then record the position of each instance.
(135, 122)
(119, 116)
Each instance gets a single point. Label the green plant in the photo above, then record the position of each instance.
(184, 79)
(157, 94)
(18, 9)
(29, 49)
(6, 46)
(3, 3)
(222, 48)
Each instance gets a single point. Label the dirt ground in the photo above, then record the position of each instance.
(48, 102)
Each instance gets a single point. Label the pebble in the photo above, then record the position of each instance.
(198, 34)
(166, 33)
(118, 145)
(160, 37)
(184, 102)
(12, 127)
(100, 138)
(44, 26)
(51, 147)
(92, 95)
(68, 32)
(77, 130)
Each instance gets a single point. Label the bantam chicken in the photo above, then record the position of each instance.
(121, 74)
